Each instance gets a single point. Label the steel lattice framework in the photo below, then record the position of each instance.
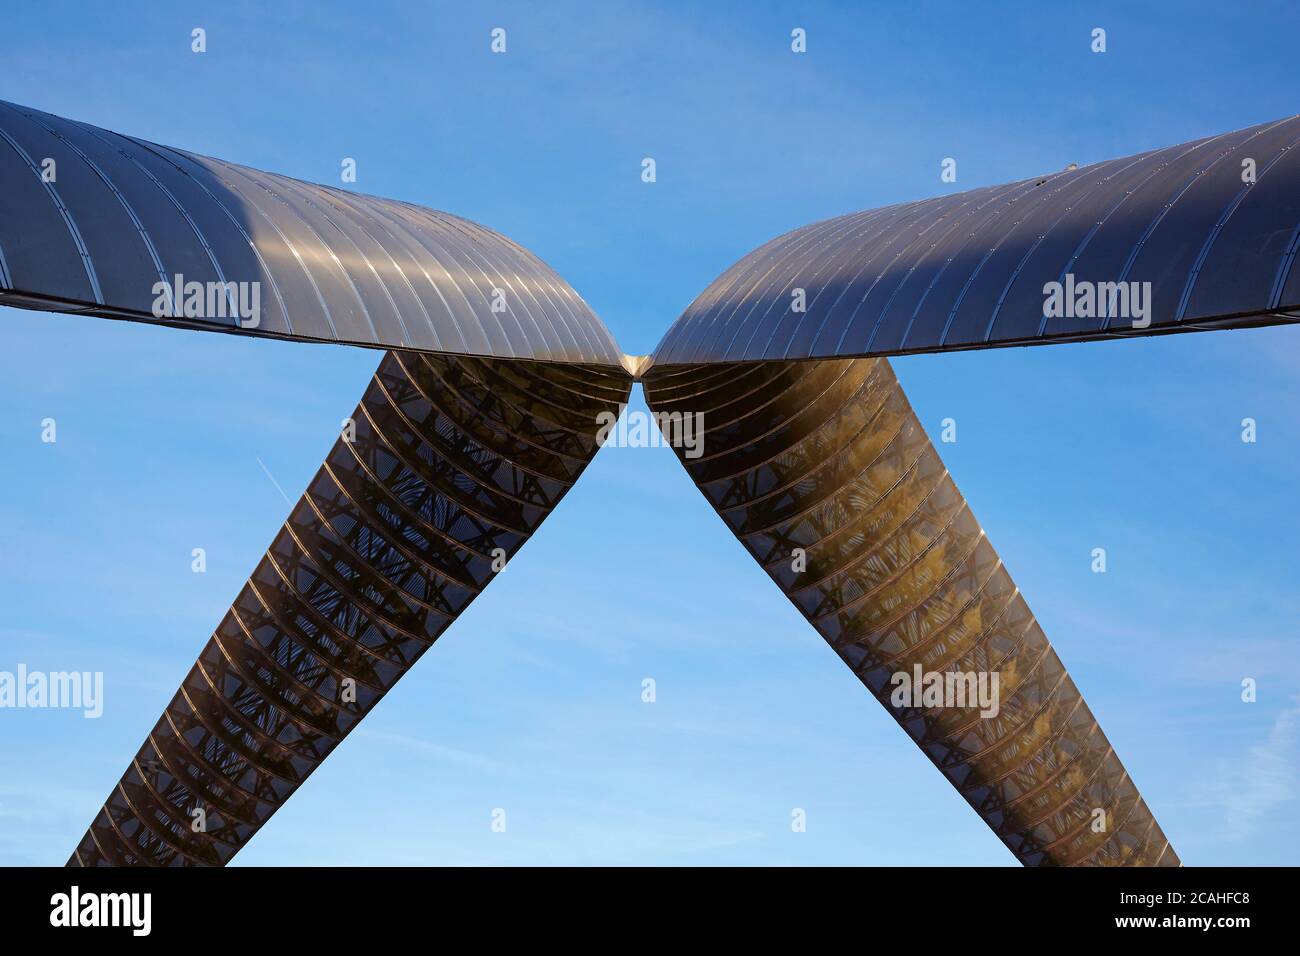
(455, 463)
(486, 407)
(825, 462)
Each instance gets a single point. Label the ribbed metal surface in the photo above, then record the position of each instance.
(472, 432)
(121, 214)
(969, 270)
(894, 571)
(452, 459)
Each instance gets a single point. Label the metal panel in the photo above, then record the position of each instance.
(1020, 313)
(1169, 256)
(961, 252)
(178, 247)
(983, 294)
(1250, 253)
(734, 318)
(841, 300)
(124, 260)
(888, 327)
(824, 474)
(1127, 211)
(328, 264)
(970, 270)
(229, 247)
(45, 254)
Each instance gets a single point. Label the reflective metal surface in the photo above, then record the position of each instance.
(1208, 232)
(455, 463)
(91, 220)
(485, 412)
(824, 474)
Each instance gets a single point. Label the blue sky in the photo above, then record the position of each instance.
(532, 702)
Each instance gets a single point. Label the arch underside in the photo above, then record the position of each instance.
(454, 464)
(826, 477)
(485, 409)
(454, 457)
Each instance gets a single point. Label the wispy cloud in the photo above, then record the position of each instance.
(40, 823)
(1267, 777)
(437, 751)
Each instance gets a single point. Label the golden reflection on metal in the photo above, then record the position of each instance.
(454, 464)
(824, 474)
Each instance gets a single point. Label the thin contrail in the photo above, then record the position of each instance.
(274, 482)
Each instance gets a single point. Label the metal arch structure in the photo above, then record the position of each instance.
(1212, 225)
(483, 412)
(454, 464)
(825, 476)
(486, 408)
(91, 220)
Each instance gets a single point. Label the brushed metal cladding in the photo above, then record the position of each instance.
(895, 573)
(484, 410)
(968, 270)
(119, 214)
(453, 458)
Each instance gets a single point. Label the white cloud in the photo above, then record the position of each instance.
(1267, 777)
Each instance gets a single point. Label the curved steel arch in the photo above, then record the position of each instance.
(455, 463)
(478, 420)
(485, 411)
(92, 220)
(968, 270)
(825, 476)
